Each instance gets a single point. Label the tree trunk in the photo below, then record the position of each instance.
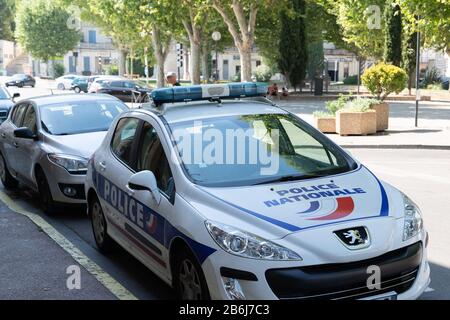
(122, 62)
(160, 51)
(246, 63)
(194, 63)
(205, 63)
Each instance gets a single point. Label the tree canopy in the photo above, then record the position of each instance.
(43, 29)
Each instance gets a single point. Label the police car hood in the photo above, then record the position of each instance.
(290, 207)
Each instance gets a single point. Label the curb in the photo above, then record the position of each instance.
(395, 146)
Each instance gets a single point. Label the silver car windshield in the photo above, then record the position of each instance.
(4, 95)
(79, 117)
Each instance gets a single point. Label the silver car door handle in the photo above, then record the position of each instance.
(102, 165)
(3, 135)
(16, 144)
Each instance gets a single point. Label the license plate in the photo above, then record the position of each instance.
(384, 296)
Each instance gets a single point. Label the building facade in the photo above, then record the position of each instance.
(93, 54)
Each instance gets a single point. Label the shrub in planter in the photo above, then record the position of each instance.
(357, 118)
(326, 121)
(383, 79)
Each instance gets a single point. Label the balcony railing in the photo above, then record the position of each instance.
(96, 46)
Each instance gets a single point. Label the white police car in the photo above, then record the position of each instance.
(232, 198)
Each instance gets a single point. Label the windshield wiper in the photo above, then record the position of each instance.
(290, 178)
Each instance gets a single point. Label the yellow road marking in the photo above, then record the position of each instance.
(103, 277)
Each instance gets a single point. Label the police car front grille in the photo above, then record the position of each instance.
(399, 270)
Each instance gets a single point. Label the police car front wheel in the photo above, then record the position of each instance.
(190, 282)
(104, 242)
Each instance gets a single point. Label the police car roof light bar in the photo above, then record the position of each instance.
(208, 92)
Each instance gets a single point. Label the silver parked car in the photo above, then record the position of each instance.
(46, 142)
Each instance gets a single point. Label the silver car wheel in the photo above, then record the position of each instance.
(2, 169)
(190, 286)
(98, 222)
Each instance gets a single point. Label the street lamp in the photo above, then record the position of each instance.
(216, 36)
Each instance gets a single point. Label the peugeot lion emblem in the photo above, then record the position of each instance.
(354, 238)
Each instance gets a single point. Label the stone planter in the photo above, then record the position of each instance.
(356, 123)
(382, 111)
(325, 125)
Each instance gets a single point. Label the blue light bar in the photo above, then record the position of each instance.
(207, 92)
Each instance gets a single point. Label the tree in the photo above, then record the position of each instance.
(393, 34)
(434, 22)
(292, 47)
(409, 58)
(43, 30)
(7, 25)
(361, 25)
(240, 16)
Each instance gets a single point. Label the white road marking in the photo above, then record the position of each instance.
(103, 277)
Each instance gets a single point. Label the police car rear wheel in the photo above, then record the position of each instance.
(7, 179)
(190, 282)
(99, 227)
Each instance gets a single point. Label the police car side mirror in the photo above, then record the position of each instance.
(145, 181)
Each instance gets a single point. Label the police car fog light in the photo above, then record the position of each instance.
(70, 192)
(233, 288)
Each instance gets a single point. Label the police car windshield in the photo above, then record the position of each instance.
(245, 150)
(79, 117)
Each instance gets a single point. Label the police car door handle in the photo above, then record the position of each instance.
(3, 135)
(130, 191)
(102, 165)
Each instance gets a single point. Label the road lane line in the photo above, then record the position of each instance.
(94, 269)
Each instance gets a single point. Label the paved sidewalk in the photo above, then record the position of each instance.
(33, 266)
(433, 131)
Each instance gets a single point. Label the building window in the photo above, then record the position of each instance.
(92, 36)
(258, 63)
(87, 64)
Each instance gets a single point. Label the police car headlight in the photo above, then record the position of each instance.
(413, 219)
(73, 164)
(248, 245)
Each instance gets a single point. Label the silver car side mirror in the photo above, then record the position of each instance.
(145, 181)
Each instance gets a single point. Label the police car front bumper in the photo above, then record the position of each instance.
(405, 274)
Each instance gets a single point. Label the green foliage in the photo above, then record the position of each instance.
(43, 31)
(323, 114)
(354, 20)
(383, 79)
(336, 105)
(432, 76)
(434, 22)
(316, 58)
(58, 69)
(351, 80)
(393, 34)
(7, 24)
(263, 73)
(360, 105)
(292, 47)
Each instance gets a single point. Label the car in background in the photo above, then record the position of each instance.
(21, 80)
(98, 80)
(6, 103)
(80, 84)
(65, 82)
(46, 142)
(125, 90)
